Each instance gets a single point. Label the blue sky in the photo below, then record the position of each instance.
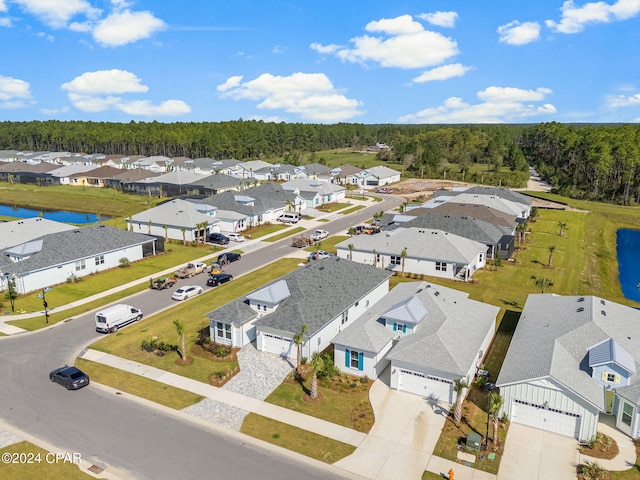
(374, 61)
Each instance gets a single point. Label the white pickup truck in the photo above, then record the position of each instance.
(318, 235)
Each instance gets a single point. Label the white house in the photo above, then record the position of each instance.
(57, 257)
(430, 335)
(316, 192)
(326, 295)
(27, 229)
(572, 359)
(177, 219)
(376, 177)
(428, 252)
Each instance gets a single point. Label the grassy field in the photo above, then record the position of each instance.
(41, 470)
(126, 343)
(296, 439)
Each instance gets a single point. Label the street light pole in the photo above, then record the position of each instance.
(44, 303)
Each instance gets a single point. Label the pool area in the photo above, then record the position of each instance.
(628, 252)
(77, 218)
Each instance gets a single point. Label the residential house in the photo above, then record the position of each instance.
(428, 252)
(571, 360)
(430, 336)
(501, 199)
(24, 172)
(95, 177)
(27, 229)
(479, 211)
(177, 219)
(62, 256)
(170, 184)
(326, 295)
(155, 163)
(64, 173)
(126, 176)
(500, 241)
(376, 177)
(315, 192)
(216, 183)
(345, 175)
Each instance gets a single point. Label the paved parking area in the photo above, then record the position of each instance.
(533, 454)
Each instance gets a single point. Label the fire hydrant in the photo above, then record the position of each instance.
(451, 474)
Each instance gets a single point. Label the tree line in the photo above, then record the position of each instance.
(598, 162)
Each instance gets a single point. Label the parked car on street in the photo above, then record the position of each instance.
(218, 238)
(235, 237)
(191, 269)
(228, 257)
(219, 279)
(112, 318)
(384, 190)
(186, 292)
(318, 235)
(69, 377)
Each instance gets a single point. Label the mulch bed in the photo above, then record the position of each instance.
(307, 398)
(600, 449)
(217, 381)
(209, 355)
(188, 361)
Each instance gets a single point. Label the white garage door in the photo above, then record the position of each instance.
(425, 385)
(551, 419)
(278, 345)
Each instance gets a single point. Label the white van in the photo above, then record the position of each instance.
(116, 316)
(289, 218)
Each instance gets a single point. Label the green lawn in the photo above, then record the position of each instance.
(296, 439)
(126, 342)
(288, 233)
(46, 468)
(143, 387)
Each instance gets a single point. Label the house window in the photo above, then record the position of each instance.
(99, 260)
(345, 317)
(80, 265)
(353, 360)
(611, 377)
(627, 414)
(223, 330)
(396, 260)
(441, 266)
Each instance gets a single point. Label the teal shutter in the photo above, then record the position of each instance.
(347, 356)
(404, 329)
(395, 326)
(361, 361)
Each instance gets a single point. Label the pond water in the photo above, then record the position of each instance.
(77, 218)
(628, 252)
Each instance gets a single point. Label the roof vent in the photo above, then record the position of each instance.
(604, 314)
(581, 299)
(436, 293)
(580, 309)
(602, 302)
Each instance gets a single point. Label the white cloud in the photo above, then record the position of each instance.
(126, 27)
(442, 73)
(621, 101)
(311, 96)
(516, 33)
(6, 22)
(51, 112)
(3, 6)
(13, 92)
(58, 13)
(574, 19)
(402, 43)
(105, 81)
(98, 91)
(499, 105)
(440, 19)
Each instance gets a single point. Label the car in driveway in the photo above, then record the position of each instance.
(235, 237)
(228, 257)
(186, 292)
(219, 279)
(71, 378)
(218, 238)
(319, 255)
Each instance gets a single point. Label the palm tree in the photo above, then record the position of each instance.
(166, 232)
(351, 246)
(290, 206)
(375, 258)
(316, 364)
(180, 330)
(520, 229)
(542, 282)
(317, 249)
(495, 404)
(298, 339)
(184, 238)
(562, 226)
(551, 249)
(403, 207)
(459, 387)
(403, 255)
(149, 223)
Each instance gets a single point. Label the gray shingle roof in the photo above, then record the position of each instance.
(174, 213)
(72, 245)
(554, 335)
(20, 231)
(490, 191)
(320, 291)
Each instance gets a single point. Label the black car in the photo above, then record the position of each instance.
(225, 258)
(69, 377)
(218, 279)
(218, 238)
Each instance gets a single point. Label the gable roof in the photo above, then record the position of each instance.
(174, 213)
(479, 211)
(553, 339)
(499, 192)
(610, 351)
(68, 246)
(20, 231)
(421, 243)
(319, 292)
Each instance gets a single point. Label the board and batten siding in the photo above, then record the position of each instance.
(373, 363)
(545, 390)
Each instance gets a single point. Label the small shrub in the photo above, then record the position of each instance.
(364, 380)
(608, 442)
(149, 344)
(166, 347)
(304, 360)
(481, 381)
(592, 443)
(592, 471)
(353, 385)
(275, 435)
(124, 262)
(221, 351)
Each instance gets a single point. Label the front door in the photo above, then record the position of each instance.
(625, 417)
(609, 396)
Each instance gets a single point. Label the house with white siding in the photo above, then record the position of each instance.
(571, 360)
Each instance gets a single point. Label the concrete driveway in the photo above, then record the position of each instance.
(400, 443)
(534, 454)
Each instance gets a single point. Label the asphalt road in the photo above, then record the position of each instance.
(111, 430)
